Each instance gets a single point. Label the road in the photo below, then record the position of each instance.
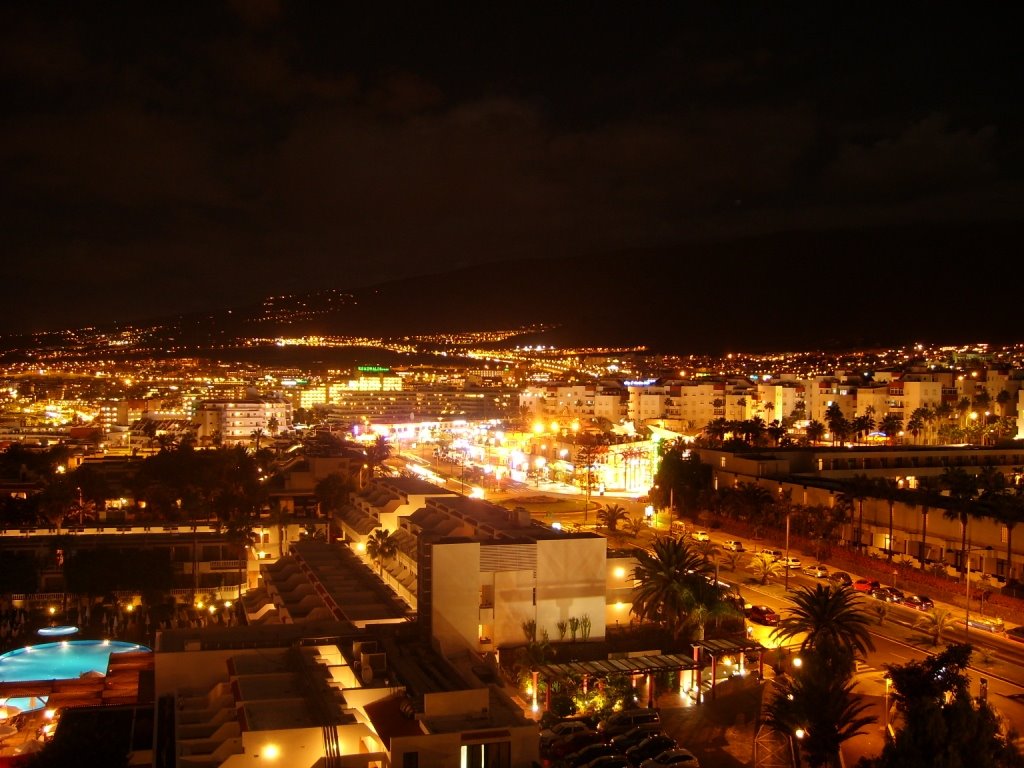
(1000, 661)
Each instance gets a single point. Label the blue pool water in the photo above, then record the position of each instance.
(58, 661)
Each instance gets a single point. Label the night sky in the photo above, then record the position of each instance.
(183, 156)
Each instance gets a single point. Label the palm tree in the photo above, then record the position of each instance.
(377, 453)
(1005, 507)
(671, 582)
(834, 417)
(962, 488)
(381, 546)
(820, 706)
(332, 492)
(856, 490)
(891, 425)
(708, 550)
(1002, 399)
(888, 489)
(926, 495)
(936, 622)
(715, 430)
(750, 501)
(731, 560)
(257, 436)
(763, 567)
(929, 414)
(611, 516)
(815, 431)
(636, 524)
(915, 424)
(862, 425)
(834, 621)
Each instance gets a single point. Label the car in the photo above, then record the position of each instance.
(773, 554)
(677, 756)
(650, 747)
(866, 585)
(1016, 633)
(560, 730)
(588, 753)
(817, 570)
(919, 602)
(609, 761)
(995, 626)
(840, 579)
(701, 536)
(624, 720)
(733, 545)
(762, 614)
(791, 562)
(634, 736)
(888, 594)
(574, 743)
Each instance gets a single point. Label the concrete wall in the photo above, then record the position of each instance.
(456, 595)
(197, 670)
(572, 578)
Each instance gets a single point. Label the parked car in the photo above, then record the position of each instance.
(840, 579)
(701, 536)
(592, 752)
(762, 614)
(620, 722)
(609, 761)
(866, 585)
(920, 602)
(988, 624)
(792, 562)
(1016, 633)
(575, 743)
(634, 736)
(817, 570)
(733, 545)
(677, 756)
(560, 730)
(774, 554)
(888, 594)
(650, 747)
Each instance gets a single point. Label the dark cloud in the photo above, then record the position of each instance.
(163, 161)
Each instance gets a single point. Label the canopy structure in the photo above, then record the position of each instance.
(724, 649)
(633, 665)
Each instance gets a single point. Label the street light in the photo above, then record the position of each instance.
(967, 612)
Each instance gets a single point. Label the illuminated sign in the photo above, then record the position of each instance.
(373, 369)
(644, 383)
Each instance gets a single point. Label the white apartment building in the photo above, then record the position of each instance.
(612, 405)
(380, 383)
(560, 401)
(235, 421)
(776, 401)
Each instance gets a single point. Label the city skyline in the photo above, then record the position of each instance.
(159, 163)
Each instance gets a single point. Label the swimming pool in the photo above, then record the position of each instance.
(58, 661)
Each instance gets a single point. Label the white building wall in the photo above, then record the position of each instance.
(571, 582)
(455, 613)
(609, 407)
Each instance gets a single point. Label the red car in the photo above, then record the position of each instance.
(762, 614)
(866, 585)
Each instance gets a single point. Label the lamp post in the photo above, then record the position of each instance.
(967, 612)
(786, 576)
